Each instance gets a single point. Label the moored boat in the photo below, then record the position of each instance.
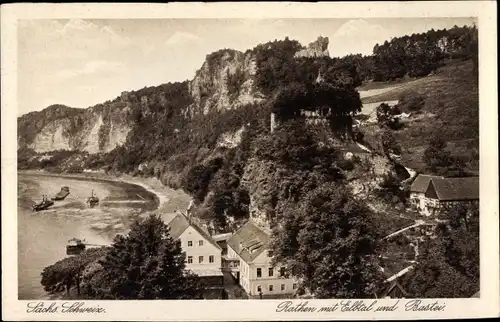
(93, 200)
(75, 246)
(44, 204)
(62, 194)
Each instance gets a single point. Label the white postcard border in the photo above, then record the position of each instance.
(247, 310)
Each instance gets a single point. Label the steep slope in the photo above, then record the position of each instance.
(97, 129)
(165, 130)
(445, 104)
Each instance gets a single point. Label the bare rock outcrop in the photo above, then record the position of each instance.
(225, 81)
(318, 48)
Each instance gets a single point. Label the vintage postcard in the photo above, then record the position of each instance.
(249, 161)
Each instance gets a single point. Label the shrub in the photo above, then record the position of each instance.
(413, 103)
(389, 143)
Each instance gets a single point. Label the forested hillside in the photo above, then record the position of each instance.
(161, 139)
(211, 137)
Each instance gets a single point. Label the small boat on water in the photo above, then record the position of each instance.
(93, 200)
(44, 204)
(75, 246)
(61, 195)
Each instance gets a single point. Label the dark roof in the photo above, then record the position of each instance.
(180, 223)
(448, 189)
(393, 285)
(421, 183)
(249, 241)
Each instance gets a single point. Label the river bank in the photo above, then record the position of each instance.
(169, 200)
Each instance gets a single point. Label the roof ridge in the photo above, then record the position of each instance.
(173, 221)
(203, 233)
(436, 190)
(248, 221)
(443, 186)
(197, 228)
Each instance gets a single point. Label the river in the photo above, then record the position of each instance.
(42, 236)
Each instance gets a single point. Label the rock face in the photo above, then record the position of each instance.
(263, 179)
(230, 140)
(224, 81)
(97, 129)
(259, 179)
(318, 48)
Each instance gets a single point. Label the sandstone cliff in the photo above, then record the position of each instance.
(97, 129)
(224, 81)
(318, 48)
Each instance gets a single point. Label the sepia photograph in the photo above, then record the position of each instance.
(289, 159)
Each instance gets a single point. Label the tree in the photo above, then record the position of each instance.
(436, 155)
(66, 274)
(433, 277)
(391, 189)
(449, 264)
(327, 242)
(386, 116)
(145, 264)
(198, 178)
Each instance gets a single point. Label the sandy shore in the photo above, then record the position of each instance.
(169, 200)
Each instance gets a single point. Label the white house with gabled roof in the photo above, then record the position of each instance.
(203, 255)
(249, 245)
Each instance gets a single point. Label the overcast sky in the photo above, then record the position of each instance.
(80, 63)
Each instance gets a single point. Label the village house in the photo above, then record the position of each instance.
(429, 194)
(203, 254)
(394, 289)
(248, 247)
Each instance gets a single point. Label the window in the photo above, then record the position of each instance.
(271, 271)
(294, 286)
(259, 272)
(282, 287)
(190, 243)
(190, 259)
(211, 259)
(282, 272)
(200, 243)
(200, 259)
(270, 288)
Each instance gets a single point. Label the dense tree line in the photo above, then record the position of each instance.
(449, 264)
(320, 233)
(416, 55)
(277, 68)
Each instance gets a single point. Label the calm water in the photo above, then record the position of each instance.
(42, 236)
